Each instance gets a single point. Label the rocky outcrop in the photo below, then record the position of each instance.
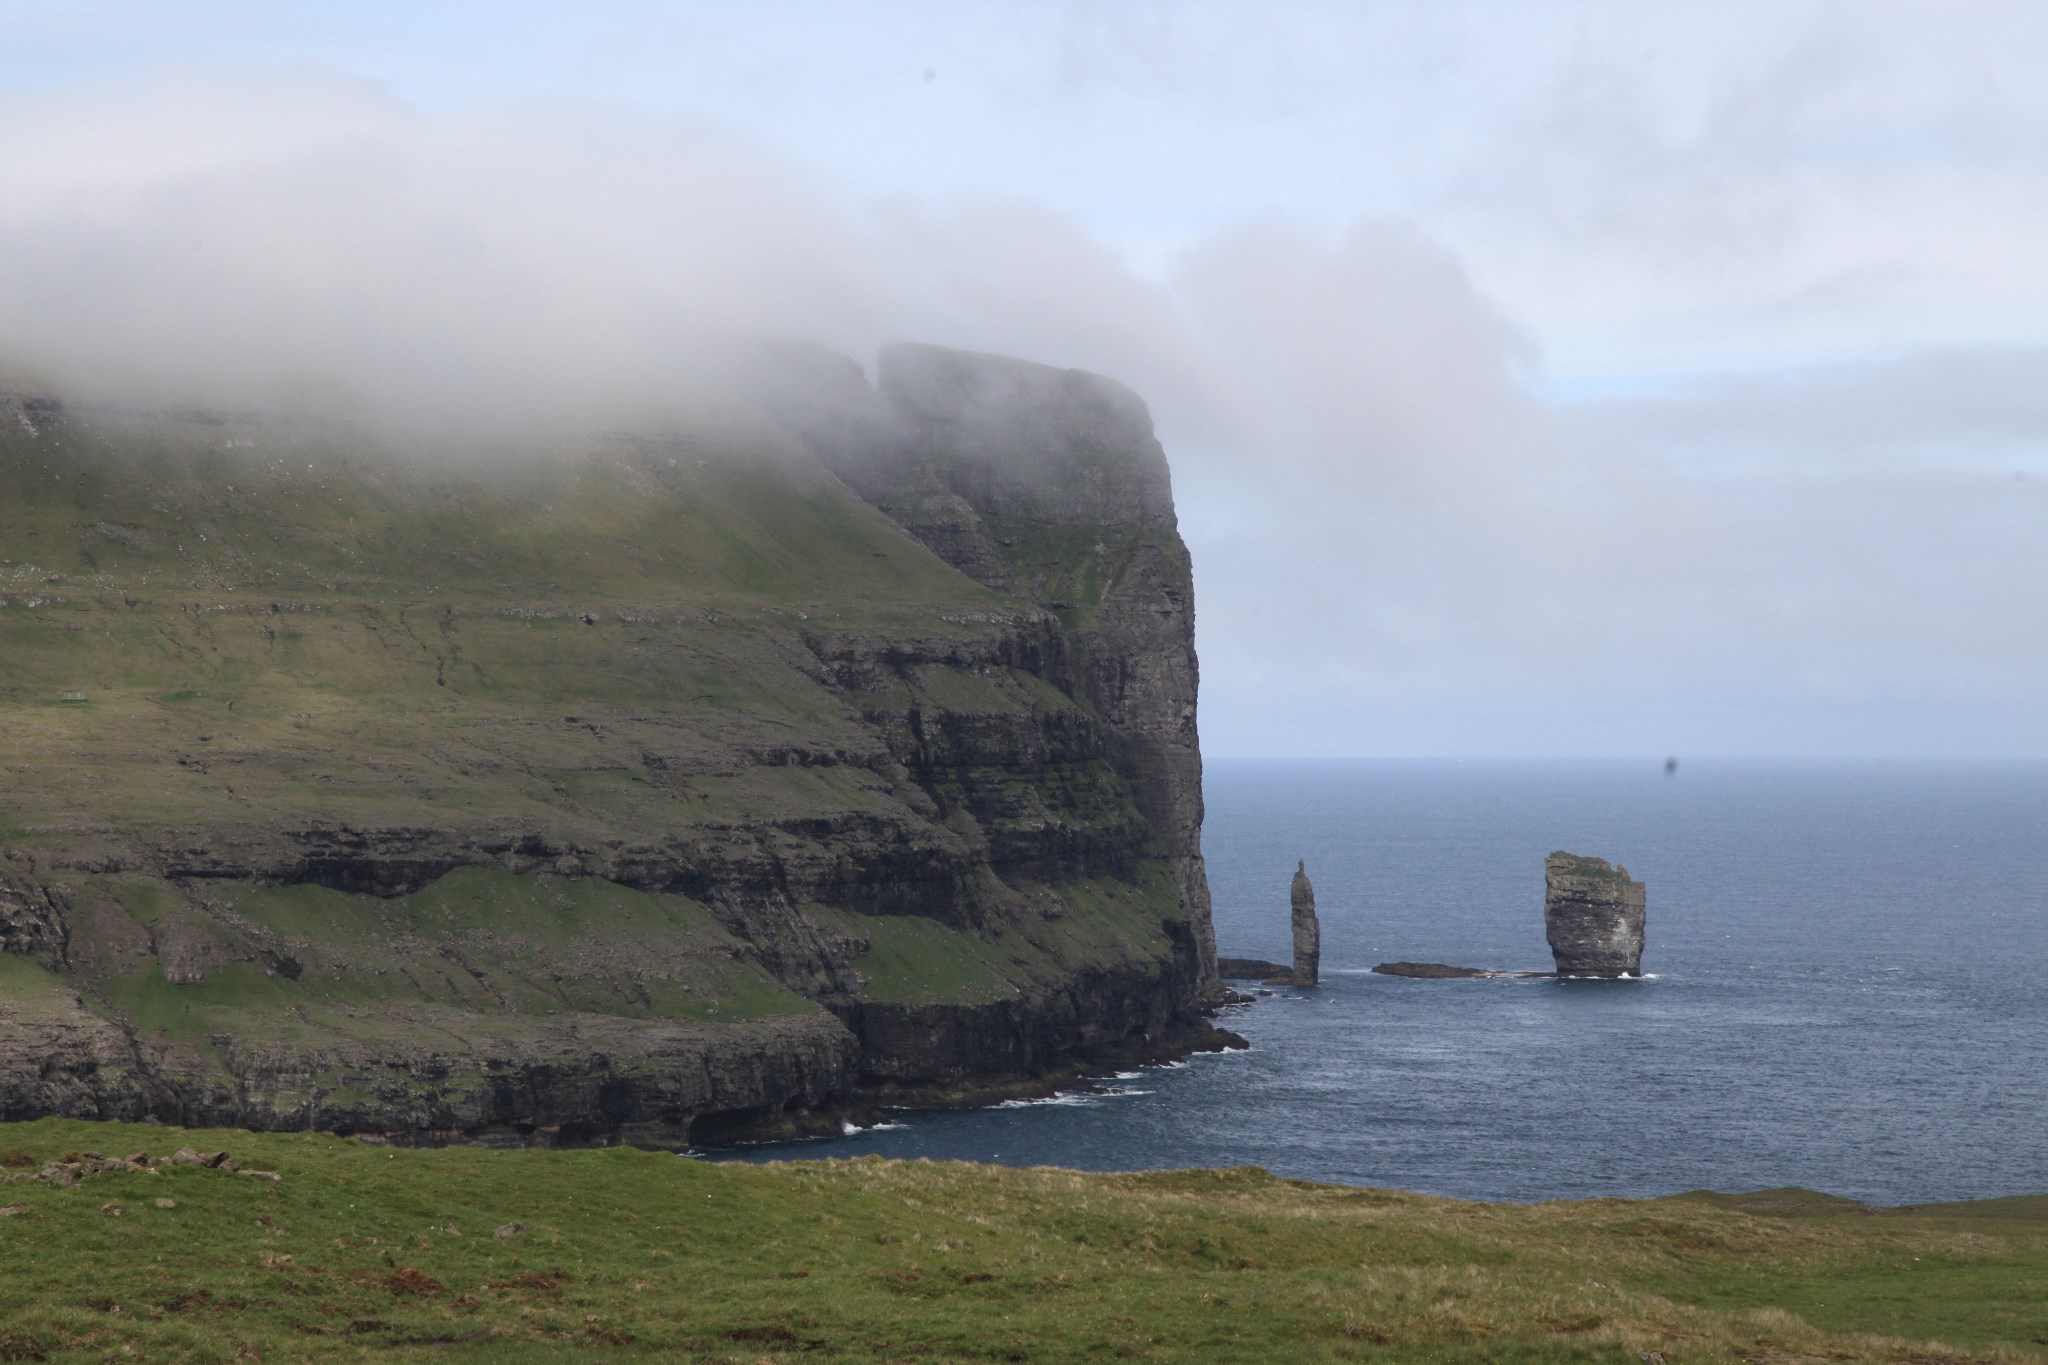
(674, 786)
(31, 922)
(563, 1080)
(1308, 930)
(57, 1056)
(1307, 933)
(1593, 917)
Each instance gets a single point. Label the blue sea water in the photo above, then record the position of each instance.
(1848, 989)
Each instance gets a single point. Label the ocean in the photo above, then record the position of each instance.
(1846, 989)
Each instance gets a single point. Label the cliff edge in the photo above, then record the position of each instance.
(647, 787)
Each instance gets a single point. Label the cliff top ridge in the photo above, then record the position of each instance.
(1562, 864)
(1016, 438)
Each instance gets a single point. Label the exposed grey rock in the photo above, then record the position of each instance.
(1308, 930)
(30, 920)
(1593, 916)
(59, 1057)
(70, 1171)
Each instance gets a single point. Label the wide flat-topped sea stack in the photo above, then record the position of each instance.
(1593, 916)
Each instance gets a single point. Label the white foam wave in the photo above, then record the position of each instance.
(1069, 1097)
(849, 1128)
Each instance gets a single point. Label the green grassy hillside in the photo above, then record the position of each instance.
(269, 619)
(360, 1252)
(577, 790)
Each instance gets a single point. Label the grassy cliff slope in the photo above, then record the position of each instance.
(360, 1252)
(567, 793)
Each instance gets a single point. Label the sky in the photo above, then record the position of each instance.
(1541, 377)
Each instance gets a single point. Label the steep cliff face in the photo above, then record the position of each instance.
(653, 784)
(1056, 489)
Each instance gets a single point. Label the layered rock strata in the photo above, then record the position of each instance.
(669, 785)
(1055, 489)
(1593, 916)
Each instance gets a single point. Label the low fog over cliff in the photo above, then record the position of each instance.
(1411, 535)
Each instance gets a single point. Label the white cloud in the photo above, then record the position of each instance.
(1391, 234)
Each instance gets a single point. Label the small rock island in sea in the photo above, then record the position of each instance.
(1308, 942)
(1593, 916)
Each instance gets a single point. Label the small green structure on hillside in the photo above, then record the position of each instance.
(74, 696)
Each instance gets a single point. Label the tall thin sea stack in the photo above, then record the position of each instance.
(1593, 917)
(1308, 932)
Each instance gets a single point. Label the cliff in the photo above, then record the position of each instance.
(640, 787)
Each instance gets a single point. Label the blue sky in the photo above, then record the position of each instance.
(1540, 378)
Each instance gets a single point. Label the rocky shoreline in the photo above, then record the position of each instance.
(872, 1106)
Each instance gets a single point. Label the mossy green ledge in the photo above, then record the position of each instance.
(835, 749)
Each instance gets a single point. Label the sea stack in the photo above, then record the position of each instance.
(1593, 916)
(1308, 934)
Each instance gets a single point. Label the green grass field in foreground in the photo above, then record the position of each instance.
(366, 1253)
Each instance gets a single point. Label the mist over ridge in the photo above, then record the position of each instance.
(1368, 450)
